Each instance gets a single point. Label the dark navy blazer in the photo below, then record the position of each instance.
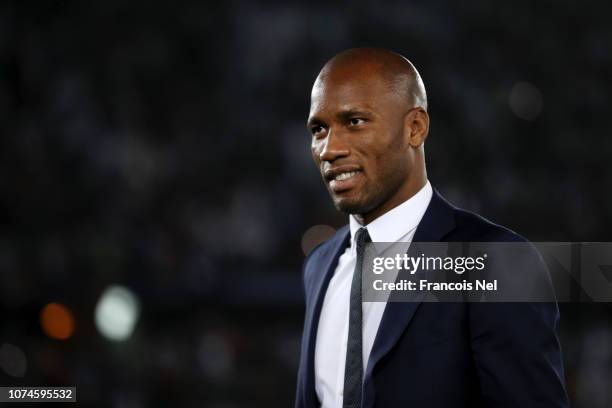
(445, 354)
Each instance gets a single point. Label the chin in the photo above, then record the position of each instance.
(350, 206)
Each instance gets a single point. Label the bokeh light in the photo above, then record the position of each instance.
(116, 313)
(526, 100)
(314, 236)
(13, 360)
(57, 321)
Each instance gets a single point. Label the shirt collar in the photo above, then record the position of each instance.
(399, 221)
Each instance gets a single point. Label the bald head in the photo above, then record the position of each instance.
(368, 119)
(397, 72)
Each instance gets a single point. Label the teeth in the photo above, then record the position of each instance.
(344, 176)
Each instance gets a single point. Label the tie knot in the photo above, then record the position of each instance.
(362, 237)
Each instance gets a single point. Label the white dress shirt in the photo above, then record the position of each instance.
(397, 225)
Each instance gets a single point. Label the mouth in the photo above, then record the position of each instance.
(342, 178)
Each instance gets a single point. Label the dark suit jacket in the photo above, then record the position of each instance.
(445, 354)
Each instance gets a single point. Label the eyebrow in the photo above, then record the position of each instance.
(341, 115)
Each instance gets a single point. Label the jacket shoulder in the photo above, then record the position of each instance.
(470, 226)
(325, 246)
(321, 253)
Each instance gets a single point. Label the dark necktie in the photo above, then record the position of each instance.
(353, 370)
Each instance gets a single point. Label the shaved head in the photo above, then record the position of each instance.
(368, 119)
(395, 70)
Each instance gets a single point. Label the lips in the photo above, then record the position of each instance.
(342, 178)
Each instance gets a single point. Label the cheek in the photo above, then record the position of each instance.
(315, 151)
(317, 144)
(389, 167)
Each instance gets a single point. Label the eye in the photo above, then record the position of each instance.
(356, 121)
(316, 130)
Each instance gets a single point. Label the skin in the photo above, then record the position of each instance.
(368, 113)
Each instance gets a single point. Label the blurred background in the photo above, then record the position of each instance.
(158, 195)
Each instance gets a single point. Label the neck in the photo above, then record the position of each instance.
(407, 191)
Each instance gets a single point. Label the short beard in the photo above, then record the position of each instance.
(372, 199)
(360, 208)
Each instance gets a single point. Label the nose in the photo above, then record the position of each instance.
(334, 146)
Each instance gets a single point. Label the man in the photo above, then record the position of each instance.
(369, 121)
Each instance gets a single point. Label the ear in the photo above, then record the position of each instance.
(416, 126)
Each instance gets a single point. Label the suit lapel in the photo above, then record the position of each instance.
(437, 221)
(324, 269)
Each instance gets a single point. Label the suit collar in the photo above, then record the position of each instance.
(438, 220)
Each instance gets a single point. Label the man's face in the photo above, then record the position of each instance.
(358, 143)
